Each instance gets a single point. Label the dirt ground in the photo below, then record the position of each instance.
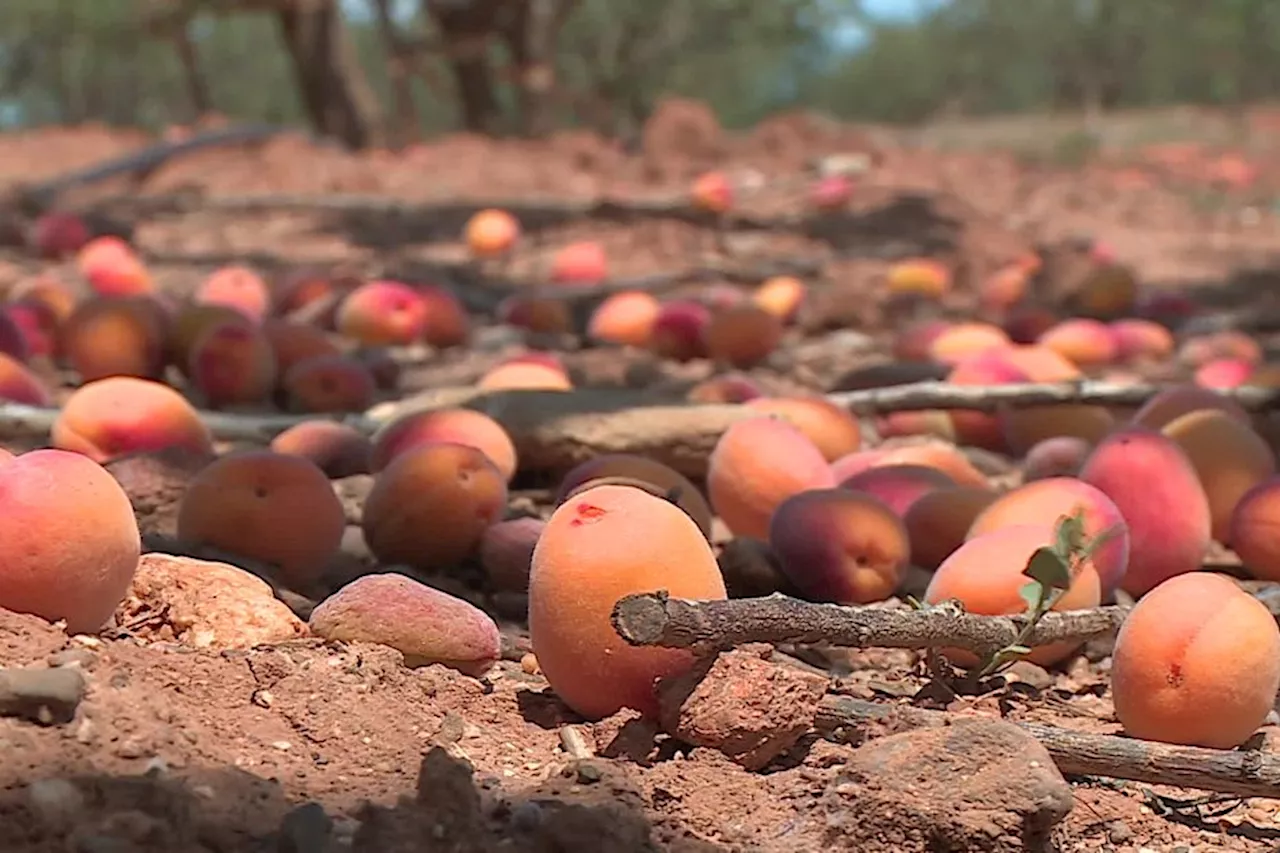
(178, 748)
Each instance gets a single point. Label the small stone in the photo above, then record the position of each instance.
(45, 696)
(131, 747)
(58, 802)
(75, 657)
(282, 745)
(306, 829)
(1119, 832)
(588, 773)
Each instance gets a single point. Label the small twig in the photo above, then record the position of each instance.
(656, 619)
(1240, 773)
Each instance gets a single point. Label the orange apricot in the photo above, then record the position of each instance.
(582, 263)
(19, 385)
(1196, 663)
(625, 318)
(979, 429)
(123, 414)
(382, 313)
(113, 337)
(839, 545)
(525, 376)
(940, 455)
(491, 233)
(729, 388)
(712, 192)
(919, 277)
(832, 429)
(961, 340)
(1141, 340)
(336, 449)
(1004, 288)
(236, 287)
(1082, 341)
(782, 296)
(272, 507)
(233, 363)
(329, 383)
(742, 336)
(450, 426)
(938, 521)
(603, 544)
(926, 422)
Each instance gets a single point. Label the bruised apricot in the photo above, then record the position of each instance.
(123, 414)
(382, 313)
(915, 342)
(1046, 501)
(1172, 403)
(831, 428)
(625, 318)
(1229, 458)
(1254, 528)
(938, 521)
(447, 324)
(1155, 487)
(756, 465)
(329, 383)
(236, 287)
(271, 507)
(678, 330)
(729, 388)
(506, 552)
(742, 336)
(336, 449)
(782, 296)
(451, 426)
(923, 422)
(897, 486)
(233, 363)
(985, 575)
(840, 545)
(541, 314)
(429, 507)
(190, 323)
(113, 337)
(1196, 663)
(629, 469)
(70, 539)
(940, 455)
(603, 544)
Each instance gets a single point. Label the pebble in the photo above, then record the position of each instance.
(1120, 832)
(56, 801)
(45, 696)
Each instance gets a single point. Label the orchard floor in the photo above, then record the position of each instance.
(182, 749)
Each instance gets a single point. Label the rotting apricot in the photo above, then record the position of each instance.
(506, 552)
(329, 383)
(1060, 456)
(1255, 529)
(113, 337)
(678, 330)
(1172, 403)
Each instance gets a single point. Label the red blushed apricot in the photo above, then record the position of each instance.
(931, 422)
(1061, 456)
(1196, 663)
(1024, 324)
(832, 429)
(49, 292)
(855, 463)
(1040, 363)
(1230, 343)
(742, 336)
(122, 414)
(36, 324)
(431, 505)
(831, 193)
(939, 455)
(1046, 501)
(382, 313)
(236, 287)
(581, 263)
(1255, 529)
(606, 543)
(721, 296)
(725, 389)
(756, 465)
(19, 385)
(962, 340)
(336, 449)
(271, 507)
(491, 233)
(840, 545)
(625, 319)
(898, 486)
(1172, 403)
(506, 552)
(448, 324)
(628, 469)
(294, 342)
(191, 322)
(915, 343)
(985, 574)
(13, 340)
(782, 296)
(1155, 487)
(1004, 288)
(525, 376)
(920, 277)
(57, 234)
(1224, 373)
(541, 314)
(112, 268)
(979, 429)
(451, 426)
(712, 192)
(329, 383)
(1084, 342)
(1229, 458)
(112, 337)
(678, 330)
(302, 288)
(1140, 340)
(70, 539)
(938, 521)
(233, 363)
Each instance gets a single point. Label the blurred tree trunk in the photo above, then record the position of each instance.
(530, 35)
(465, 29)
(193, 75)
(401, 67)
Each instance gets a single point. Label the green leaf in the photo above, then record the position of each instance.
(1032, 593)
(1070, 536)
(1050, 569)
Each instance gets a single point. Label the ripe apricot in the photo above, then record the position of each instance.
(985, 575)
(1229, 458)
(897, 486)
(606, 543)
(1060, 456)
(729, 388)
(448, 324)
(979, 429)
(1155, 487)
(938, 521)
(542, 314)
(831, 428)
(192, 321)
(451, 426)
(712, 192)
(336, 449)
(57, 234)
(329, 383)
(1224, 373)
(628, 469)
(1172, 403)
(19, 385)
(491, 233)
(236, 287)
(293, 342)
(782, 296)
(1141, 340)
(919, 277)
(525, 375)
(382, 313)
(915, 342)
(625, 318)
(961, 340)
(1254, 526)
(756, 465)
(113, 337)
(742, 336)
(925, 422)
(123, 414)
(678, 330)
(233, 363)
(112, 268)
(940, 455)
(271, 507)
(429, 507)
(840, 545)
(1004, 288)
(582, 263)
(1046, 501)
(1197, 663)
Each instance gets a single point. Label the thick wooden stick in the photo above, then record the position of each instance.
(1239, 773)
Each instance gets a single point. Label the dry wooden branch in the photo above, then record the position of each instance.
(656, 619)
(1239, 773)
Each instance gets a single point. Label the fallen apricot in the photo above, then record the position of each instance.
(832, 429)
(450, 426)
(336, 449)
(938, 521)
(625, 318)
(628, 469)
(123, 414)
